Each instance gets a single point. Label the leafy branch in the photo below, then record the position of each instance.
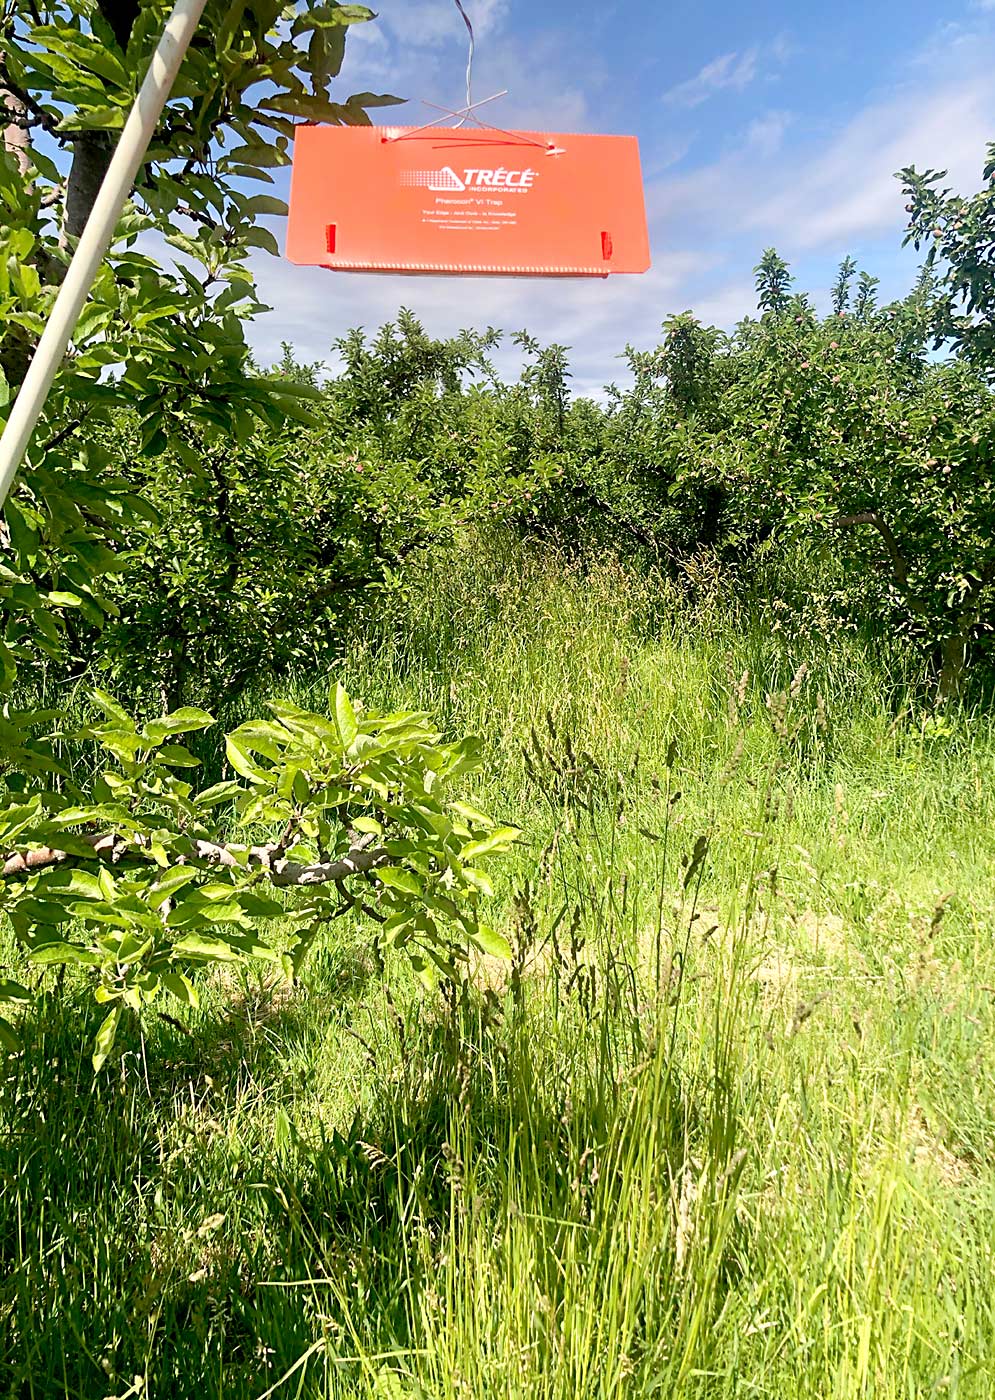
(163, 890)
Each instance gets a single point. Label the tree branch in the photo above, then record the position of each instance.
(15, 122)
(57, 439)
(25, 112)
(871, 517)
(92, 152)
(121, 16)
(109, 848)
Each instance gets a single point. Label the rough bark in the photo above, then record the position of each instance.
(121, 16)
(269, 861)
(15, 353)
(953, 667)
(899, 563)
(92, 152)
(15, 133)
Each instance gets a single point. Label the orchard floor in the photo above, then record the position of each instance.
(726, 1127)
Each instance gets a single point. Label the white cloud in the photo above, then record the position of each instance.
(846, 189)
(850, 190)
(731, 70)
(486, 15)
(417, 48)
(431, 23)
(728, 305)
(765, 134)
(596, 317)
(368, 47)
(668, 150)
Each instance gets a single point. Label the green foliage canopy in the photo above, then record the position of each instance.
(114, 859)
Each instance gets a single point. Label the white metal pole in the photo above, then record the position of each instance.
(96, 236)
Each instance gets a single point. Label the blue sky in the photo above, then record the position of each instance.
(765, 123)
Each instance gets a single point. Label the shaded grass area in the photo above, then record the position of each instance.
(723, 1129)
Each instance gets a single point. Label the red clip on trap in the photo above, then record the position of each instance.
(466, 200)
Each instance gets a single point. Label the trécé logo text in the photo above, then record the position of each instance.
(499, 179)
(447, 181)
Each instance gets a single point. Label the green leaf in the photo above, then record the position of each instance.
(425, 970)
(289, 405)
(240, 761)
(473, 815)
(260, 906)
(86, 53)
(169, 882)
(200, 945)
(330, 16)
(345, 716)
(489, 941)
(8, 667)
(9, 1039)
(176, 756)
(183, 721)
(325, 55)
(104, 1041)
(113, 710)
(259, 237)
(180, 987)
(397, 878)
(501, 839)
(13, 991)
(264, 204)
(93, 119)
(219, 792)
(479, 879)
(49, 954)
(375, 99)
(256, 155)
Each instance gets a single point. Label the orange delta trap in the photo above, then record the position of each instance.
(466, 200)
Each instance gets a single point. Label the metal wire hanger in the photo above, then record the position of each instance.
(469, 110)
(469, 66)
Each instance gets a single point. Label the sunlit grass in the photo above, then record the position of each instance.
(723, 1129)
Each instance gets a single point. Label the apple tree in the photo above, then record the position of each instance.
(115, 858)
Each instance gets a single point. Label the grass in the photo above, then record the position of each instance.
(723, 1129)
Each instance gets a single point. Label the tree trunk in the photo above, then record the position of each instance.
(92, 152)
(953, 667)
(15, 136)
(15, 354)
